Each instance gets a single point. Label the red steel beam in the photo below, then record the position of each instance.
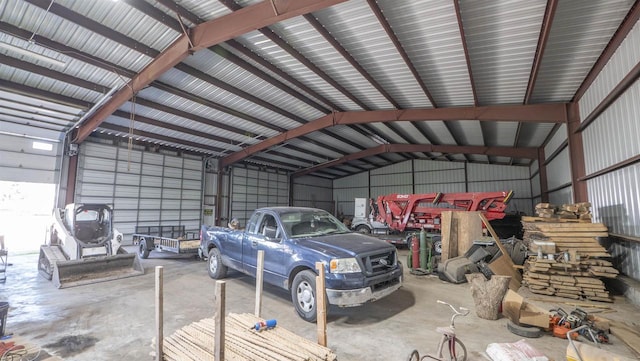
(545, 30)
(72, 175)
(203, 36)
(529, 153)
(542, 175)
(576, 154)
(463, 38)
(623, 30)
(537, 113)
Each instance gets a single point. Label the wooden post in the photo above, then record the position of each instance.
(321, 306)
(259, 272)
(159, 314)
(219, 320)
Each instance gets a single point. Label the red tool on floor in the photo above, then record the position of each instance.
(264, 325)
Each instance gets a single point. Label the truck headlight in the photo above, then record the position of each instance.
(344, 265)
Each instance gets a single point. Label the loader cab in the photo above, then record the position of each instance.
(89, 223)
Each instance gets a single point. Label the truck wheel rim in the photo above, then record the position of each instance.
(213, 264)
(305, 296)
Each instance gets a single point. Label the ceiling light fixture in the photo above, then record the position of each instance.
(32, 54)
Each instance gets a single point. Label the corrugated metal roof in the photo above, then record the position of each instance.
(502, 37)
(579, 33)
(235, 104)
(434, 47)
(362, 36)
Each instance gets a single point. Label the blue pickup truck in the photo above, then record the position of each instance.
(359, 268)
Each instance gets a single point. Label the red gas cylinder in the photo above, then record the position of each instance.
(415, 252)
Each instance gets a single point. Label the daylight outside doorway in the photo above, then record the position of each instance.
(25, 214)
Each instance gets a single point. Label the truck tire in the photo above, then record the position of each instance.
(143, 251)
(363, 229)
(303, 295)
(215, 267)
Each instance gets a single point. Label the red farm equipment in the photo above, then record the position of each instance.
(402, 212)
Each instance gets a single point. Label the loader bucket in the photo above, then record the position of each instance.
(98, 269)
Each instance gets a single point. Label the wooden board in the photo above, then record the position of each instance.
(446, 229)
(540, 219)
(504, 266)
(459, 230)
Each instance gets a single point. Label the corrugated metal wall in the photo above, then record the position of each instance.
(491, 178)
(309, 191)
(559, 178)
(346, 189)
(610, 140)
(253, 188)
(21, 162)
(145, 188)
(425, 176)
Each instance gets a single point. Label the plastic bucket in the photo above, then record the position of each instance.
(4, 309)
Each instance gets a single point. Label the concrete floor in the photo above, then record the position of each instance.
(115, 320)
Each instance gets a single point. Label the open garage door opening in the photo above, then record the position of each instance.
(25, 214)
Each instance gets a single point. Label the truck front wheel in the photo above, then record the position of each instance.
(303, 295)
(216, 269)
(363, 229)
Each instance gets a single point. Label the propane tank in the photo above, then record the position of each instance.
(423, 249)
(415, 252)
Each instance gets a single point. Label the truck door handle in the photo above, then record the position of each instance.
(254, 243)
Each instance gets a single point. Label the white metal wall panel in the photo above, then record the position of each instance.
(620, 64)
(420, 165)
(534, 167)
(309, 191)
(613, 137)
(20, 162)
(520, 187)
(144, 188)
(436, 178)
(382, 190)
(561, 196)
(556, 141)
(615, 200)
(537, 200)
(403, 167)
(253, 188)
(626, 257)
(535, 186)
(490, 172)
(559, 170)
(452, 187)
(346, 189)
(356, 180)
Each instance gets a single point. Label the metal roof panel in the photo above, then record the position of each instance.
(502, 37)
(579, 33)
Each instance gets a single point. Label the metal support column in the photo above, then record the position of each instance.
(576, 153)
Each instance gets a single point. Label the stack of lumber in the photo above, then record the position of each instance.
(566, 211)
(196, 342)
(568, 261)
(576, 238)
(577, 279)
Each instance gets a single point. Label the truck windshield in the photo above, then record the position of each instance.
(308, 223)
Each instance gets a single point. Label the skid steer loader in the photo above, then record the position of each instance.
(82, 247)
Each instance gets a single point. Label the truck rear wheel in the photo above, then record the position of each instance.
(216, 269)
(303, 295)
